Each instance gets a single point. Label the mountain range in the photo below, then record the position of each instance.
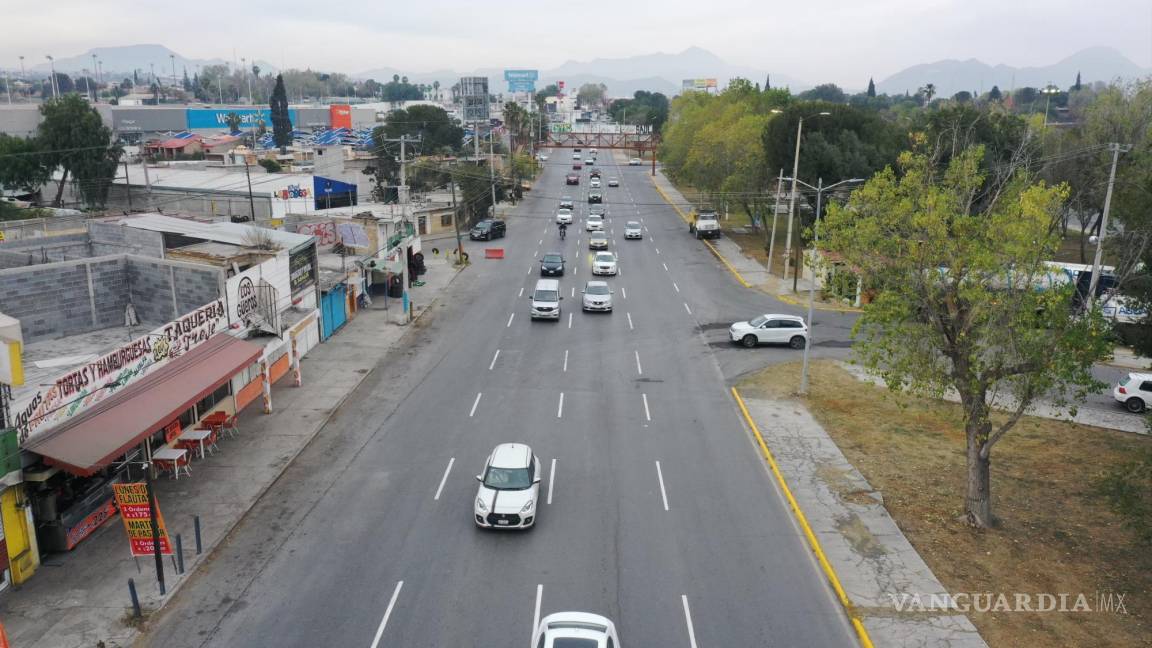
(662, 72)
(120, 61)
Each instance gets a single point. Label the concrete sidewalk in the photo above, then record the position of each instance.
(80, 599)
(875, 563)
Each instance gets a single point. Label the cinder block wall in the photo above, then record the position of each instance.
(31, 251)
(164, 290)
(114, 238)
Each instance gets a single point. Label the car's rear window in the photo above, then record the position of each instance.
(569, 642)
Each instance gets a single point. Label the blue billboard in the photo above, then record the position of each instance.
(521, 80)
(218, 117)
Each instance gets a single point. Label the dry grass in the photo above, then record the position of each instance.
(1055, 533)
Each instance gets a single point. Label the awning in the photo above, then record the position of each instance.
(94, 438)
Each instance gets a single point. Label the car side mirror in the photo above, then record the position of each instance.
(479, 477)
(536, 479)
(583, 292)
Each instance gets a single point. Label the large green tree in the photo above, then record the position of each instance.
(281, 121)
(72, 137)
(22, 168)
(959, 305)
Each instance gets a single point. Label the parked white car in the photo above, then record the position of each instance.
(1134, 391)
(575, 629)
(597, 296)
(633, 230)
(771, 329)
(604, 263)
(564, 216)
(594, 223)
(509, 488)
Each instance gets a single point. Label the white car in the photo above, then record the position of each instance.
(771, 329)
(597, 296)
(509, 488)
(633, 230)
(613, 182)
(594, 223)
(564, 216)
(604, 263)
(542, 157)
(1135, 391)
(575, 630)
(575, 156)
(594, 183)
(635, 162)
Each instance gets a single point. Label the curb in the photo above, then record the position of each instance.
(813, 542)
(192, 566)
(789, 299)
(727, 264)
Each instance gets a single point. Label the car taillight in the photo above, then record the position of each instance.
(1122, 390)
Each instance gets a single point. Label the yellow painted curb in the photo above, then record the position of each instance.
(728, 265)
(789, 299)
(813, 542)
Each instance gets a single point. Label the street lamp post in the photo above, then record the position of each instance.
(820, 189)
(1116, 149)
(55, 88)
(1048, 91)
(792, 200)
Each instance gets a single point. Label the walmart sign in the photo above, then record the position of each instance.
(218, 117)
(521, 80)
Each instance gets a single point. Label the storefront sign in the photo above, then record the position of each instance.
(293, 191)
(91, 383)
(301, 269)
(132, 499)
(89, 524)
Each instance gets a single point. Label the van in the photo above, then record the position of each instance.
(546, 299)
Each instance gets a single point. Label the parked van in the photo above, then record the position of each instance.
(546, 299)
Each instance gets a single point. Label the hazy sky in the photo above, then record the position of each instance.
(842, 41)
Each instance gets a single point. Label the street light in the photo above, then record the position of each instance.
(55, 88)
(792, 201)
(1048, 91)
(820, 189)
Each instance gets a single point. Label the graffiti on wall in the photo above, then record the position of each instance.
(94, 381)
(325, 233)
(293, 191)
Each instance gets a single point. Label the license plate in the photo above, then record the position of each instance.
(501, 521)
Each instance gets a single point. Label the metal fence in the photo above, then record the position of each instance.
(17, 230)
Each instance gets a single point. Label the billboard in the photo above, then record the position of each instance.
(340, 116)
(474, 93)
(699, 85)
(521, 80)
(218, 117)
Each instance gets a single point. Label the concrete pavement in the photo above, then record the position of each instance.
(80, 599)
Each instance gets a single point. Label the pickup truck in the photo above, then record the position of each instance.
(705, 224)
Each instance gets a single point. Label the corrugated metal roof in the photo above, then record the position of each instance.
(175, 177)
(233, 233)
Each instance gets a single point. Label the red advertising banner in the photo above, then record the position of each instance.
(132, 499)
(340, 116)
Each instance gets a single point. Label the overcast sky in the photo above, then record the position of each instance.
(842, 41)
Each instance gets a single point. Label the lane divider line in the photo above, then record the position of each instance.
(510, 317)
(551, 480)
(493, 363)
(536, 613)
(688, 620)
(560, 407)
(647, 412)
(565, 359)
(387, 613)
(474, 404)
(687, 309)
(444, 479)
(630, 327)
(638, 369)
(802, 520)
(675, 286)
(660, 476)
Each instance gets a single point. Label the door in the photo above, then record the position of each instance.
(333, 313)
(16, 535)
(771, 332)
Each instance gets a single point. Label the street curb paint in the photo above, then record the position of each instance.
(789, 299)
(813, 542)
(711, 247)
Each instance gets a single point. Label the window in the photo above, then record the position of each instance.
(446, 219)
(610, 643)
(212, 400)
(1146, 386)
(770, 324)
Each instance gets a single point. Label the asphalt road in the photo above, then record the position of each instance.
(656, 509)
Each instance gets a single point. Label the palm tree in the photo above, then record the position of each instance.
(436, 87)
(928, 91)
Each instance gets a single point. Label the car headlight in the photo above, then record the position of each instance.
(528, 506)
(481, 505)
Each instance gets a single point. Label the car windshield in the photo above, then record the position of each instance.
(759, 321)
(632, 225)
(605, 258)
(566, 199)
(598, 236)
(482, 226)
(507, 478)
(594, 217)
(546, 296)
(553, 258)
(597, 289)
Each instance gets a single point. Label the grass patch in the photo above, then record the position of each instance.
(1056, 533)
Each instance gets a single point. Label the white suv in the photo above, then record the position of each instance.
(773, 329)
(509, 488)
(1135, 391)
(576, 629)
(594, 223)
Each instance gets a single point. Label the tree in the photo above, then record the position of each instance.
(994, 94)
(926, 92)
(829, 92)
(436, 88)
(73, 137)
(21, 166)
(432, 124)
(958, 304)
(281, 122)
(270, 165)
(871, 88)
(592, 94)
(395, 78)
(233, 121)
(962, 97)
(1076, 86)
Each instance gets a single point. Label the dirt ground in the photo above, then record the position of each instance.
(1055, 534)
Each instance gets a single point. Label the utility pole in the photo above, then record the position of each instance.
(172, 57)
(1116, 149)
(792, 201)
(811, 286)
(456, 222)
(251, 202)
(128, 186)
(492, 169)
(403, 197)
(775, 214)
(8, 86)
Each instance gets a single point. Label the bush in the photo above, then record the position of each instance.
(271, 166)
(1128, 488)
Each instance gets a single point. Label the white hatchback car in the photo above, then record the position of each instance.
(509, 488)
(597, 296)
(575, 630)
(564, 216)
(594, 183)
(1135, 391)
(604, 263)
(633, 230)
(771, 329)
(594, 223)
